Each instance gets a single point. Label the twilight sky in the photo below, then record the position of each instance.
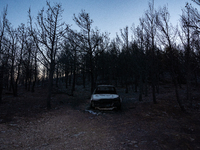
(108, 15)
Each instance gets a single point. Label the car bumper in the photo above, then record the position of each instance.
(106, 103)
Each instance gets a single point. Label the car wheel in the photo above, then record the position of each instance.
(92, 105)
(119, 107)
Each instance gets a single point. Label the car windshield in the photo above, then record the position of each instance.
(105, 90)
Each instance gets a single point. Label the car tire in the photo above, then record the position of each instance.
(119, 107)
(92, 105)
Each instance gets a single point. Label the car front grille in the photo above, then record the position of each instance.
(107, 102)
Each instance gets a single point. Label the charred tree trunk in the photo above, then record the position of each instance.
(70, 77)
(50, 85)
(83, 78)
(35, 79)
(57, 75)
(74, 72)
(146, 87)
(155, 72)
(33, 86)
(188, 77)
(92, 81)
(73, 83)
(66, 75)
(140, 87)
(16, 81)
(136, 83)
(29, 84)
(91, 73)
(174, 78)
(12, 82)
(35, 74)
(1, 82)
(154, 93)
(26, 81)
(126, 82)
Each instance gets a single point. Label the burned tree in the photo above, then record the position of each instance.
(3, 23)
(125, 41)
(150, 31)
(167, 36)
(186, 36)
(91, 42)
(47, 36)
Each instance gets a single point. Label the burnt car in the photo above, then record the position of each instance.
(105, 97)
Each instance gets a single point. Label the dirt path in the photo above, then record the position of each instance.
(74, 126)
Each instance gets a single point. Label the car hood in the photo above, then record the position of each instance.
(104, 96)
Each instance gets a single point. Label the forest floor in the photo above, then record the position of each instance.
(71, 124)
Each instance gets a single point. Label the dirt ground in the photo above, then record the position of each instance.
(71, 124)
